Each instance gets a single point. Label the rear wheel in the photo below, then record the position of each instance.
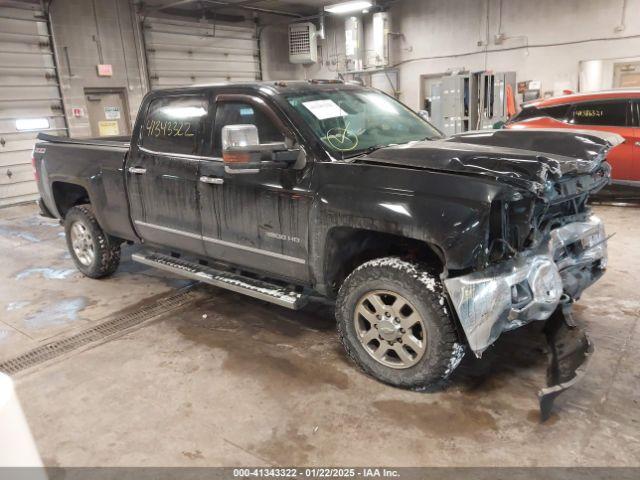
(394, 323)
(94, 253)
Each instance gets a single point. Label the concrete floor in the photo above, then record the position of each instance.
(227, 380)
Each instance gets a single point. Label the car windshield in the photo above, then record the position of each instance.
(352, 122)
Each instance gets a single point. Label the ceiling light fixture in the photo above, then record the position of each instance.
(348, 7)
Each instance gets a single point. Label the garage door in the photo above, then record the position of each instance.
(29, 96)
(186, 53)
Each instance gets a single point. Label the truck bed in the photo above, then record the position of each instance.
(85, 167)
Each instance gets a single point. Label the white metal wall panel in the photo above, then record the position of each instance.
(186, 53)
(28, 90)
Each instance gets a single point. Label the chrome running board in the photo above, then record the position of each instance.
(252, 287)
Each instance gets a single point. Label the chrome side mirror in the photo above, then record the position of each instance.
(242, 151)
(239, 136)
(240, 144)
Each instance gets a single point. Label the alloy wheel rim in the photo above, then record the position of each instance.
(390, 329)
(82, 243)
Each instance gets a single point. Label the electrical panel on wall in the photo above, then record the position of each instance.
(303, 43)
(455, 103)
(469, 101)
(492, 98)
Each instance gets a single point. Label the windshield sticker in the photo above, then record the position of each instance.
(342, 139)
(323, 109)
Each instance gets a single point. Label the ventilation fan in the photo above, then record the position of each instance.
(303, 43)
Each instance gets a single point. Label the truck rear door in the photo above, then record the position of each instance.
(162, 171)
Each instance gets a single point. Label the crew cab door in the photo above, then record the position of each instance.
(257, 219)
(611, 116)
(162, 171)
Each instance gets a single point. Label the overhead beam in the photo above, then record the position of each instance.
(177, 3)
(248, 5)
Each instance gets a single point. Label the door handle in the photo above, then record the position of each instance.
(137, 170)
(212, 180)
(637, 144)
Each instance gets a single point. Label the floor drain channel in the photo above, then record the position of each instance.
(99, 332)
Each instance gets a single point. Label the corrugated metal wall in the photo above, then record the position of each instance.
(29, 94)
(185, 53)
(178, 52)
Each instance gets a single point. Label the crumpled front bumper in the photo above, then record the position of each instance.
(530, 286)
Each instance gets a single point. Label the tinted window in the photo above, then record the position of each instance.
(526, 113)
(559, 112)
(238, 113)
(175, 124)
(600, 113)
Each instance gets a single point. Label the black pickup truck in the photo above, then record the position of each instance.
(429, 246)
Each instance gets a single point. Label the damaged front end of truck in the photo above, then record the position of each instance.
(544, 249)
(537, 284)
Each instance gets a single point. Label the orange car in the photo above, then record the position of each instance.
(616, 111)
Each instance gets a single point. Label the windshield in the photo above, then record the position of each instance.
(351, 122)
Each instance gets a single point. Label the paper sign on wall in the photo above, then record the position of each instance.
(534, 85)
(108, 128)
(323, 109)
(105, 70)
(112, 113)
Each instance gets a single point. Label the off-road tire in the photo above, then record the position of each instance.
(424, 290)
(106, 248)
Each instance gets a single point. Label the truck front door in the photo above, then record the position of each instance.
(162, 172)
(257, 219)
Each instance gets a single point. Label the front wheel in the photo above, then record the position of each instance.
(394, 323)
(95, 253)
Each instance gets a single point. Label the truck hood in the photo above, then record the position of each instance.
(522, 158)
